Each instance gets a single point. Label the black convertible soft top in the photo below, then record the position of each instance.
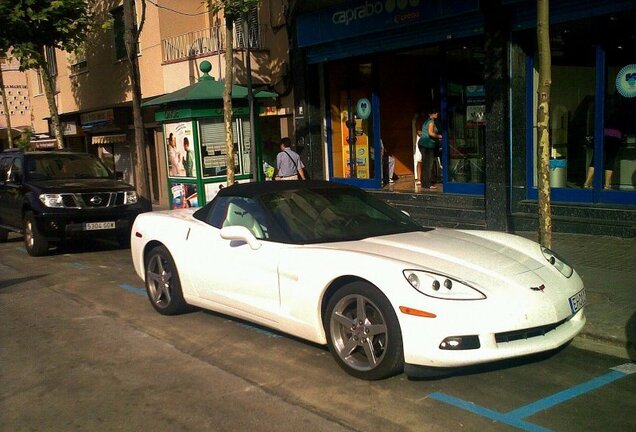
(255, 189)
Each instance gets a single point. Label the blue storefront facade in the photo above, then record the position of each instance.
(373, 69)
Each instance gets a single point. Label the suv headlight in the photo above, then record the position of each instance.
(441, 287)
(131, 197)
(52, 200)
(557, 262)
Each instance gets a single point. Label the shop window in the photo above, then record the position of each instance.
(580, 61)
(214, 150)
(465, 112)
(350, 94)
(619, 131)
(572, 106)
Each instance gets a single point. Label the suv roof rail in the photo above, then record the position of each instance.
(13, 150)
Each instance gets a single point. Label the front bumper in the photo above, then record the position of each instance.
(62, 224)
(492, 346)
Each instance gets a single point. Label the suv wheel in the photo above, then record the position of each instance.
(34, 242)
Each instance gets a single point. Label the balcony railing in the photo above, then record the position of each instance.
(206, 41)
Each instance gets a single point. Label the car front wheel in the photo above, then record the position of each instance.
(363, 332)
(34, 242)
(162, 283)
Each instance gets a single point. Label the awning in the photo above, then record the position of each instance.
(109, 139)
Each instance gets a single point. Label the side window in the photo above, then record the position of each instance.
(16, 171)
(245, 212)
(5, 165)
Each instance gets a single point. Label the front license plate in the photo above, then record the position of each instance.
(92, 226)
(577, 301)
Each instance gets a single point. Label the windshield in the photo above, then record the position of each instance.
(66, 166)
(323, 215)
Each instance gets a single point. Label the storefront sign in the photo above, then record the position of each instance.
(95, 117)
(69, 128)
(356, 18)
(626, 81)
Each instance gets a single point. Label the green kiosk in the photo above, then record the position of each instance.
(194, 131)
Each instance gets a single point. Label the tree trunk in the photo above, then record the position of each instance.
(543, 123)
(7, 114)
(47, 81)
(131, 38)
(227, 98)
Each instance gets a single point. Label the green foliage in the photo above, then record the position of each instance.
(24, 142)
(26, 26)
(232, 9)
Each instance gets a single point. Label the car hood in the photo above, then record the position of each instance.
(81, 185)
(446, 251)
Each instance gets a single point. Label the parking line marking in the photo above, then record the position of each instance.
(515, 417)
(78, 265)
(566, 395)
(133, 289)
(488, 413)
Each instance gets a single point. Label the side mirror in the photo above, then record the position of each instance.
(237, 232)
(119, 175)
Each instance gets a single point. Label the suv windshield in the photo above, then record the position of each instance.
(65, 166)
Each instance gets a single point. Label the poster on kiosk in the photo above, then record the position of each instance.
(181, 165)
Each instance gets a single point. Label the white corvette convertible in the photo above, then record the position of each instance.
(333, 265)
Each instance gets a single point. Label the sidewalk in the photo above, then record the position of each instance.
(607, 266)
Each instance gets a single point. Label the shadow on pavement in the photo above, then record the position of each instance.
(630, 333)
(9, 282)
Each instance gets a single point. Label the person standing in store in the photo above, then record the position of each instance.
(427, 143)
(288, 163)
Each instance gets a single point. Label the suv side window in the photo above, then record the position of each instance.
(15, 175)
(5, 165)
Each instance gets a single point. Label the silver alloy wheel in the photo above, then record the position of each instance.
(28, 234)
(359, 332)
(158, 281)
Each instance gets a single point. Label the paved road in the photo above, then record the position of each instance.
(81, 348)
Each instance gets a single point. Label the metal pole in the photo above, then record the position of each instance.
(250, 100)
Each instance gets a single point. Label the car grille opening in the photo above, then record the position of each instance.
(527, 333)
(93, 199)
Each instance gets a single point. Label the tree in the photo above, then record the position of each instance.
(543, 123)
(233, 11)
(28, 27)
(131, 39)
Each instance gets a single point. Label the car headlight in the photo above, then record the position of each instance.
(131, 197)
(558, 262)
(441, 287)
(52, 200)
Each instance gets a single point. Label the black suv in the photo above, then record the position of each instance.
(53, 196)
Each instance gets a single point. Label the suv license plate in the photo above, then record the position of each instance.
(577, 301)
(92, 226)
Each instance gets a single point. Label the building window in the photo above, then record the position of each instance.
(253, 30)
(119, 43)
(77, 60)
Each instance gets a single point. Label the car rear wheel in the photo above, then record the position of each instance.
(162, 283)
(34, 242)
(363, 332)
